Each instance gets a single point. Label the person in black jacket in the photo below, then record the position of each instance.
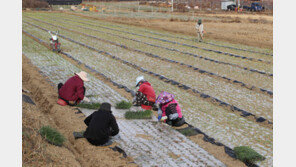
(100, 126)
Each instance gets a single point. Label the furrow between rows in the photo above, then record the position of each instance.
(195, 111)
(201, 71)
(202, 79)
(130, 129)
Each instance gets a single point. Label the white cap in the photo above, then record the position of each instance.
(54, 37)
(139, 78)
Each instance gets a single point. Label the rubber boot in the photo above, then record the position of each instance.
(108, 143)
(78, 135)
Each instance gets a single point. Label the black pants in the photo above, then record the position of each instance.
(97, 142)
(142, 99)
(67, 101)
(177, 122)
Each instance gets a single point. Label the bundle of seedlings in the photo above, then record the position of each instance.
(52, 135)
(189, 131)
(138, 114)
(89, 105)
(123, 105)
(247, 155)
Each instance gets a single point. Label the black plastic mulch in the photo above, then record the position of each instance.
(118, 149)
(27, 99)
(206, 138)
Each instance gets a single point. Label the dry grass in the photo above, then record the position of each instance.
(33, 147)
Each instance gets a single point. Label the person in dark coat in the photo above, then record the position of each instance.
(73, 91)
(100, 126)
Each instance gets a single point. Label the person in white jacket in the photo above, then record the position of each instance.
(200, 30)
(54, 36)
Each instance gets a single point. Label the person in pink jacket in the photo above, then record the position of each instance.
(169, 110)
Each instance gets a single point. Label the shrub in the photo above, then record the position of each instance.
(89, 105)
(123, 105)
(247, 154)
(34, 4)
(138, 114)
(52, 135)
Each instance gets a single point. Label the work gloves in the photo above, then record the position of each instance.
(160, 117)
(163, 119)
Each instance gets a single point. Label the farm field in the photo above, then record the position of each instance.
(240, 28)
(51, 64)
(238, 75)
(134, 9)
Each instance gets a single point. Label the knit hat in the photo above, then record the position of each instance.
(164, 97)
(105, 107)
(83, 76)
(199, 21)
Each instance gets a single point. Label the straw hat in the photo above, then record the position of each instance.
(83, 76)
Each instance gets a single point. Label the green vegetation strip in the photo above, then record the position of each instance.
(247, 154)
(52, 135)
(138, 114)
(89, 105)
(188, 131)
(124, 105)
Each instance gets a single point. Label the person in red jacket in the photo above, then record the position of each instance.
(145, 96)
(73, 91)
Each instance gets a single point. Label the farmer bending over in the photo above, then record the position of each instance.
(169, 110)
(200, 30)
(100, 126)
(73, 91)
(145, 96)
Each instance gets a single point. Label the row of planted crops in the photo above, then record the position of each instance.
(145, 152)
(107, 47)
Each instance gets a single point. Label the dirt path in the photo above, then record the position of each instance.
(64, 119)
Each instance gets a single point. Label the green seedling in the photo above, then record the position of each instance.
(247, 154)
(187, 131)
(138, 114)
(89, 105)
(123, 105)
(52, 135)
